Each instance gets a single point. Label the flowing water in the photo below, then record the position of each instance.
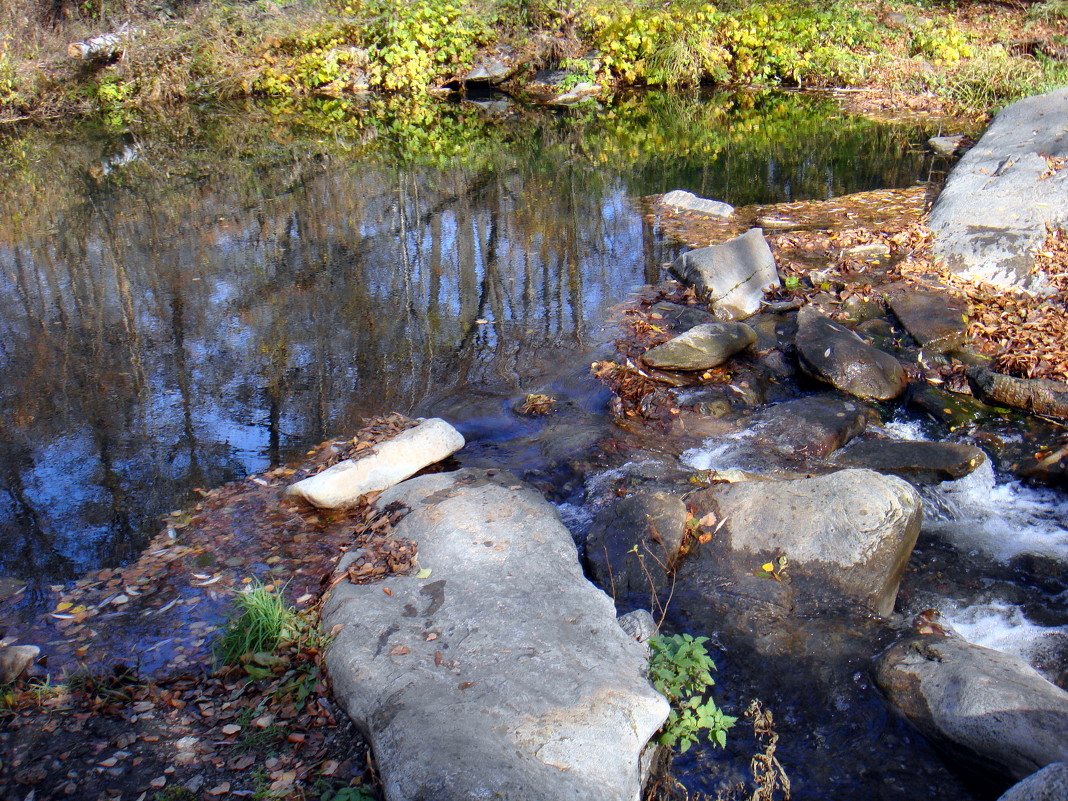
(190, 298)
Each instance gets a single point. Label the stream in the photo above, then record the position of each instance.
(190, 298)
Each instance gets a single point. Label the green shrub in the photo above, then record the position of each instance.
(263, 620)
(1049, 11)
(681, 670)
(944, 43)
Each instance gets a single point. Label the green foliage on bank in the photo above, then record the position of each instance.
(214, 50)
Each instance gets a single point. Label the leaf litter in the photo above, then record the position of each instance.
(141, 706)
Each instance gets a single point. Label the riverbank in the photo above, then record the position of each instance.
(67, 59)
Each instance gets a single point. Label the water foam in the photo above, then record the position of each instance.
(1005, 628)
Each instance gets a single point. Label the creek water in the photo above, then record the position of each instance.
(191, 297)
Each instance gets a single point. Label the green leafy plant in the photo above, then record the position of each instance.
(263, 620)
(681, 670)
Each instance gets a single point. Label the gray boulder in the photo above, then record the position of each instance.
(634, 542)
(918, 462)
(731, 276)
(991, 217)
(948, 145)
(702, 347)
(1031, 394)
(502, 675)
(681, 200)
(936, 320)
(837, 355)
(845, 536)
(812, 426)
(1048, 784)
(493, 67)
(986, 708)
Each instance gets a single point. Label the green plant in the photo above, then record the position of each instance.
(1049, 10)
(994, 78)
(263, 620)
(681, 670)
(945, 43)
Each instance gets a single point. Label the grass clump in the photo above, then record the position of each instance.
(262, 622)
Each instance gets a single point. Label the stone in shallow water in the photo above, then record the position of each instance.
(813, 426)
(687, 201)
(916, 461)
(989, 709)
(937, 320)
(382, 466)
(1030, 394)
(1048, 784)
(702, 347)
(731, 276)
(505, 674)
(834, 354)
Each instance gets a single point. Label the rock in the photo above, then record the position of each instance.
(948, 145)
(1030, 394)
(639, 625)
(1048, 784)
(702, 347)
(989, 709)
(576, 94)
(936, 320)
(834, 354)
(813, 426)
(872, 250)
(504, 675)
(681, 200)
(633, 543)
(991, 217)
(846, 535)
(383, 465)
(681, 317)
(492, 67)
(16, 660)
(950, 408)
(917, 462)
(731, 276)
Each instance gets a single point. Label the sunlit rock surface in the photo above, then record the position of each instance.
(504, 674)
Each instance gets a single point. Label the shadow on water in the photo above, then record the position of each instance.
(191, 297)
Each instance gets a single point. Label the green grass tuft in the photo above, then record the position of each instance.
(263, 620)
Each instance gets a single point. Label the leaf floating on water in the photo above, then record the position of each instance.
(424, 573)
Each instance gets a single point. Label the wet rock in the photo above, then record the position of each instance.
(384, 465)
(1030, 394)
(813, 426)
(702, 347)
(681, 200)
(860, 310)
(845, 536)
(835, 354)
(16, 660)
(948, 145)
(731, 276)
(918, 462)
(951, 408)
(634, 542)
(936, 320)
(991, 217)
(1048, 784)
(681, 317)
(987, 708)
(504, 674)
(873, 251)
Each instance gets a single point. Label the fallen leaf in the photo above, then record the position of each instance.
(387, 590)
(220, 789)
(399, 650)
(230, 728)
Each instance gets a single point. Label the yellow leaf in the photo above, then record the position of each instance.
(767, 567)
(63, 607)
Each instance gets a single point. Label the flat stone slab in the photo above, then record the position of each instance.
(702, 347)
(381, 466)
(916, 461)
(681, 200)
(504, 674)
(992, 214)
(936, 320)
(731, 276)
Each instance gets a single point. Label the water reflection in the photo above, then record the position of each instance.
(194, 298)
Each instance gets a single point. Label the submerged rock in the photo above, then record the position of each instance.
(681, 317)
(702, 347)
(1031, 394)
(1048, 784)
(503, 675)
(634, 542)
(812, 426)
(384, 465)
(731, 276)
(681, 200)
(936, 320)
(988, 709)
(916, 461)
(16, 660)
(844, 536)
(834, 354)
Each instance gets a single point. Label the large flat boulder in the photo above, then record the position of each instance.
(380, 466)
(702, 347)
(835, 354)
(731, 276)
(845, 536)
(917, 461)
(992, 215)
(936, 320)
(986, 708)
(681, 200)
(502, 675)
